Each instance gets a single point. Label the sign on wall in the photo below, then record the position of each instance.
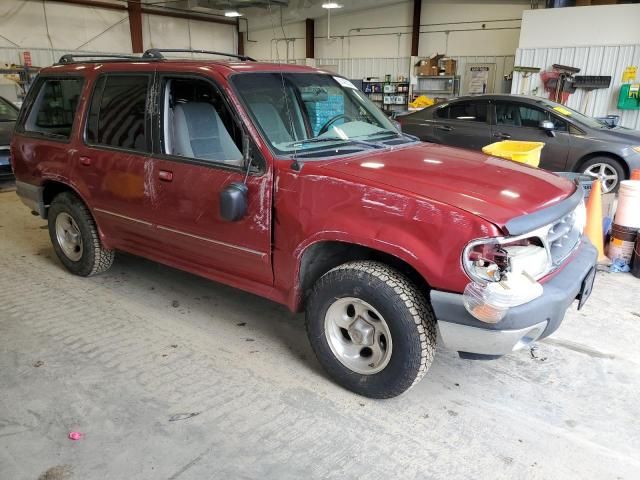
(479, 78)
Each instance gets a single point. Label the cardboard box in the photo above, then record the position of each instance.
(450, 66)
(430, 67)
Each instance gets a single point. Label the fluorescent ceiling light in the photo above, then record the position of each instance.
(330, 5)
(232, 13)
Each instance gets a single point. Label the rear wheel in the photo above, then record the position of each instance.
(607, 169)
(75, 237)
(371, 329)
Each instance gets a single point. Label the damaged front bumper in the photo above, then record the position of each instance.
(522, 325)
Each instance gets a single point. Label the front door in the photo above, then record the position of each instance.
(199, 153)
(463, 124)
(519, 121)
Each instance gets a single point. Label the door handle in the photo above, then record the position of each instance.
(86, 161)
(503, 136)
(444, 128)
(165, 175)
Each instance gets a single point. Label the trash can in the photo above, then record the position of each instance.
(521, 152)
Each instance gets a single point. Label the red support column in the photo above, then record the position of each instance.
(135, 25)
(415, 31)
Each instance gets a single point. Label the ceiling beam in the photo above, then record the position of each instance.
(163, 12)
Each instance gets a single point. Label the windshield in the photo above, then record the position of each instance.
(300, 112)
(8, 113)
(567, 112)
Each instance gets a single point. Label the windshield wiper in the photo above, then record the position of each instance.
(299, 143)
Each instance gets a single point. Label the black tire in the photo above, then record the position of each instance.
(408, 316)
(94, 257)
(611, 162)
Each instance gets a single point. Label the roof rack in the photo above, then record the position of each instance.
(156, 53)
(71, 57)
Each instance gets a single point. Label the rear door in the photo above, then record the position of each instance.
(110, 167)
(463, 124)
(199, 153)
(520, 121)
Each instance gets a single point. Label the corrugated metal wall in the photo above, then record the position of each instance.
(593, 60)
(361, 68)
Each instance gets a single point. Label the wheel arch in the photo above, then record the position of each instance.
(51, 188)
(585, 158)
(321, 256)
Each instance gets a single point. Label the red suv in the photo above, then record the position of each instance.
(285, 181)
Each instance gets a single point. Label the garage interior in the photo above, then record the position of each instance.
(146, 371)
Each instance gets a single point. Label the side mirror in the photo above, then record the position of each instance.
(233, 201)
(548, 126)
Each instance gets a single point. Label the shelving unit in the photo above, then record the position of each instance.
(389, 96)
(437, 86)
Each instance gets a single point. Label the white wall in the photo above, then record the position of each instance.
(581, 26)
(599, 40)
(160, 31)
(385, 31)
(70, 26)
(23, 24)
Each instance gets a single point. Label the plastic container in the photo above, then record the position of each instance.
(622, 243)
(585, 181)
(521, 152)
(628, 211)
(635, 263)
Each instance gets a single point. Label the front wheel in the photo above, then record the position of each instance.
(608, 170)
(371, 329)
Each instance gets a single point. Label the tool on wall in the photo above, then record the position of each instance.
(589, 83)
(558, 82)
(525, 75)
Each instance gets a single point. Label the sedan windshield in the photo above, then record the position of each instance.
(309, 111)
(567, 112)
(8, 113)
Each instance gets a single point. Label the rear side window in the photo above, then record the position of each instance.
(469, 111)
(54, 108)
(118, 112)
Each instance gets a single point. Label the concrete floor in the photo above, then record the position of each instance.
(170, 376)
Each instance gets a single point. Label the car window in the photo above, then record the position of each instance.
(559, 124)
(442, 112)
(519, 115)
(308, 113)
(54, 108)
(197, 124)
(117, 115)
(8, 113)
(470, 111)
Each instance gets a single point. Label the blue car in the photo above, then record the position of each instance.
(8, 117)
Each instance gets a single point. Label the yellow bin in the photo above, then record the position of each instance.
(522, 152)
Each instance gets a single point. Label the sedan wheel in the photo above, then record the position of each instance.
(606, 173)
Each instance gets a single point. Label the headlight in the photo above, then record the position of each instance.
(636, 149)
(488, 260)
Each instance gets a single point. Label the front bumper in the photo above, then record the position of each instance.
(522, 325)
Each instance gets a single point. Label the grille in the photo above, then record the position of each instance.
(562, 238)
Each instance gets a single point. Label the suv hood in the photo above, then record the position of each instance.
(494, 189)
